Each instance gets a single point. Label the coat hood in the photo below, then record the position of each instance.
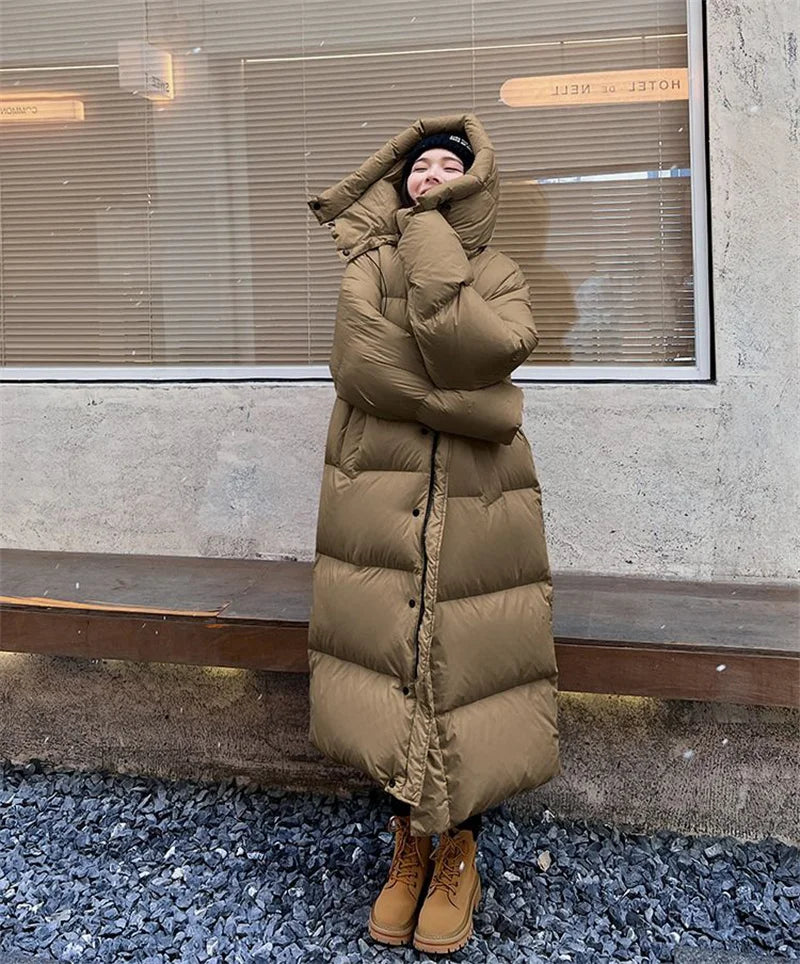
(361, 208)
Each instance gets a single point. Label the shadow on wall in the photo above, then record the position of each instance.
(610, 292)
(522, 231)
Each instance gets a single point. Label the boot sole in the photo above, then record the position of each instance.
(453, 943)
(388, 937)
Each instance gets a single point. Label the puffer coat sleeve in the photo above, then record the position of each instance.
(467, 341)
(377, 366)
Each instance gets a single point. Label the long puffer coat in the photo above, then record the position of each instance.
(431, 656)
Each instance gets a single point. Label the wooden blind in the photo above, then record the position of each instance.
(155, 162)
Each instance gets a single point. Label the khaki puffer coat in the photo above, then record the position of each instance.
(432, 665)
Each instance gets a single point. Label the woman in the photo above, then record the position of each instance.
(432, 665)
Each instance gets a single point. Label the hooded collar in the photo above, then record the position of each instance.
(361, 208)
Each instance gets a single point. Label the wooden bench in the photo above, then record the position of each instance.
(669, 639)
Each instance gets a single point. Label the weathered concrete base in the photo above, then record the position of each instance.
(639, 763)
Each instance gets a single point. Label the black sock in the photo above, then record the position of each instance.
(473, 823)
(399, 807)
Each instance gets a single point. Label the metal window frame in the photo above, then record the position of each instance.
(701, 370)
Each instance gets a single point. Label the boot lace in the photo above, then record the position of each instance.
(406, 864)
(448, 866)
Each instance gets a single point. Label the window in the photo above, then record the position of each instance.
(154, 173)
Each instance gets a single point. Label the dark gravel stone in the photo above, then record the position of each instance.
(102, 867)
(684, 956)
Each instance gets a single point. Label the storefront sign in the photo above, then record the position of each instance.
(145, 70)
(600, 87)
(37, 109)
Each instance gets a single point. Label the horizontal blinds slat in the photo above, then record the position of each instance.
(246, 28)
(178, 233)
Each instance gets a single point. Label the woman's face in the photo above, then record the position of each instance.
(431, 169)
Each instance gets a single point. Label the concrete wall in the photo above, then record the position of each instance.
(667, 479)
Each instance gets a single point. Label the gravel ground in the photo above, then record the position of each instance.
(106, 867)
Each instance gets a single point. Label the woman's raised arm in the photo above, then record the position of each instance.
(467, 341)
(377, 366)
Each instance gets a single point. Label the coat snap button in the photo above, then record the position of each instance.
(412, 603)
(316, 205)
(346, 252)
(392, 782)
(415, 512)
(406, 690)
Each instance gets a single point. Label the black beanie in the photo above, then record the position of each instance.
(459, 145)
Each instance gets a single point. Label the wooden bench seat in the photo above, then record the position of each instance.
(669, 639)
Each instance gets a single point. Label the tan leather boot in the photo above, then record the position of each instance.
(394, 913)
(444, 923)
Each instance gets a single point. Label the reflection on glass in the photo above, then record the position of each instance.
(168, 224)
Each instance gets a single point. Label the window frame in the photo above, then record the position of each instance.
(532, 373)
